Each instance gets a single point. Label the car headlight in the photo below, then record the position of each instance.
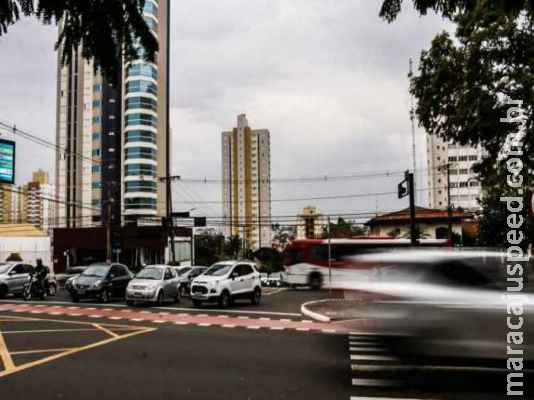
(98, 283)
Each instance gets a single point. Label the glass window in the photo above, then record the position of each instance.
(143, 69)
(151, 23)
(141, 119)
(140, 186)
(141, 102)
(138, 203)
(97, 136)
(141, 152)
(142, 86)
(140, 169)
(150, 8)
(140, 136)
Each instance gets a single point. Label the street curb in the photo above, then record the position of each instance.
(316, 316)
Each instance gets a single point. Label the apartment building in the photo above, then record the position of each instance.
(246, 171)
(465, 188)
(114, 136)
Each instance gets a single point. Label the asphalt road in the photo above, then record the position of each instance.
(85, 351)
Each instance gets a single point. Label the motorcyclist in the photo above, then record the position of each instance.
(41, 274)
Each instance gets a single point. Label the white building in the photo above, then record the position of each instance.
(246, 170)
(311, 224)
(465, 188)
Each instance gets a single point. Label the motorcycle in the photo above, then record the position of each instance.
(35, 287)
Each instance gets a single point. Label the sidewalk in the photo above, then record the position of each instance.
(352, 306)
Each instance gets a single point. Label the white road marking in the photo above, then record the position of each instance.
(328, 330)
(115, 318)
(277, 328)
(228, 326)
(370, 357)
(204, 325)
(303, 329)
(136, 319)
(265, 319)
(181, 323)
(243, 317)
(253, 327)
(159, 321)
(374, 382)
(363, 344)
(367, 349)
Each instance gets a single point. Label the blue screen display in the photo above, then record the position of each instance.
(7, 161)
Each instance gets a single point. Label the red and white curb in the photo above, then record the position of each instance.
(182, 319)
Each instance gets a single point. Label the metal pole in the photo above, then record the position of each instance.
(329, 258)
(413, 233)
(108, 233)
(170, 227)
(449, 205)
(193, 246)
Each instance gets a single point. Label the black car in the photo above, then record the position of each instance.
(101, 281)
(186, 276)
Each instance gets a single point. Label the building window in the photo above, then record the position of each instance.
(140, 136)
(142, 86)
(140, 203)
(96, 169)
(141, 186)
(97, 119)
(140, 170)
(141, 102)
(97, 152)
(148, 70)
(97, 136)
(141, 152)
(141, 119)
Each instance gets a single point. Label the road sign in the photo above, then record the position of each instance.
(7, 161)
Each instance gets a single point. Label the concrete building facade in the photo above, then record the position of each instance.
(311, 224)
(246, 175)
(465, 188)
(114, 136)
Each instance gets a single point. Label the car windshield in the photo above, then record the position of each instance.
(150, 273)
(98, 271)
(4, 268)
(218, 270)
(183, 271)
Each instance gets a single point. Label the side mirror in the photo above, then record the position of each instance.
(12, 272)
(234, 275)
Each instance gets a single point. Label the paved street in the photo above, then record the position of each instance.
(86, 351)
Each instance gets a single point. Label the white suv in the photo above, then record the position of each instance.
(225, 281)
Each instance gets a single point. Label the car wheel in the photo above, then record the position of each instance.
(255, 299)
(315, 281)
(27, 294)
(52, 289)
(182, 292)
(224, 300)
(44, 294)
(197, 303)
(104, 296)
(160, 299)
(3, 292)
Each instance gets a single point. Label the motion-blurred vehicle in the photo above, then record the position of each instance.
(272, 280)
(226, 281)
(446, 303)
(306, 262)
(101, 281)
(13, 277)
(186, 276)
(153, 284)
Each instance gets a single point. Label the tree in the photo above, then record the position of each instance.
(467, 84)
(232, 247)
(106, 31)
(344, 229)
(14, 257)
(208, 249)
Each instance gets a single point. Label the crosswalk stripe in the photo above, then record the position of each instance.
(374, 382)
(356, 343)
(367, 349)
(371, 357)
(377, 368)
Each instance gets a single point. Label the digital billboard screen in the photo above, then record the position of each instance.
(7, 161)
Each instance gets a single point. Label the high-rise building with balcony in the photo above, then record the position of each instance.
(114, 137)
(35, 203)
(465, 188)
(246, 169)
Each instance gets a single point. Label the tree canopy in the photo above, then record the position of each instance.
(106, 31)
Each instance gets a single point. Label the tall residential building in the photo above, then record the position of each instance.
(114, 136)
(246, 169)
(33, 202)
(7, 204)
(465, 188)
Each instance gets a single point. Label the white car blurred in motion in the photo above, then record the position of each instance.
(447, 303)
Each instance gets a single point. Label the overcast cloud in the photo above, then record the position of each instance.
(326, 77)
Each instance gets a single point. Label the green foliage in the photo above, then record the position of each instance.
(208, 249)
(344, 229)
(107, 31)
(232, 247)
(14, 257)
(269, 259)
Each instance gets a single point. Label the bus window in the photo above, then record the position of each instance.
(293, 256)
(319, 253)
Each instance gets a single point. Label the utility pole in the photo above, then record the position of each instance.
(449, 205)
(406, 188)
(109, 250)
(329, 258)
(169, 218)
(412, 120)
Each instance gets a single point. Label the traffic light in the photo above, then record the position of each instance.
(402, 189)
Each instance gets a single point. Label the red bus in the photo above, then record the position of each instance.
(306, 262)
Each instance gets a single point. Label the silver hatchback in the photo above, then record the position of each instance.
(13, 276)
(153, 284)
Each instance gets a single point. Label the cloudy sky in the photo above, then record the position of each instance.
(326, 77)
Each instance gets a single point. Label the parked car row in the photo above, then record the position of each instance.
(158, 284)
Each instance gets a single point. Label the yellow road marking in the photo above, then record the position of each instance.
(16, 353)
(110, 333)
(51, 331)
(114, 326)
(4, 355)
(71, 352)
